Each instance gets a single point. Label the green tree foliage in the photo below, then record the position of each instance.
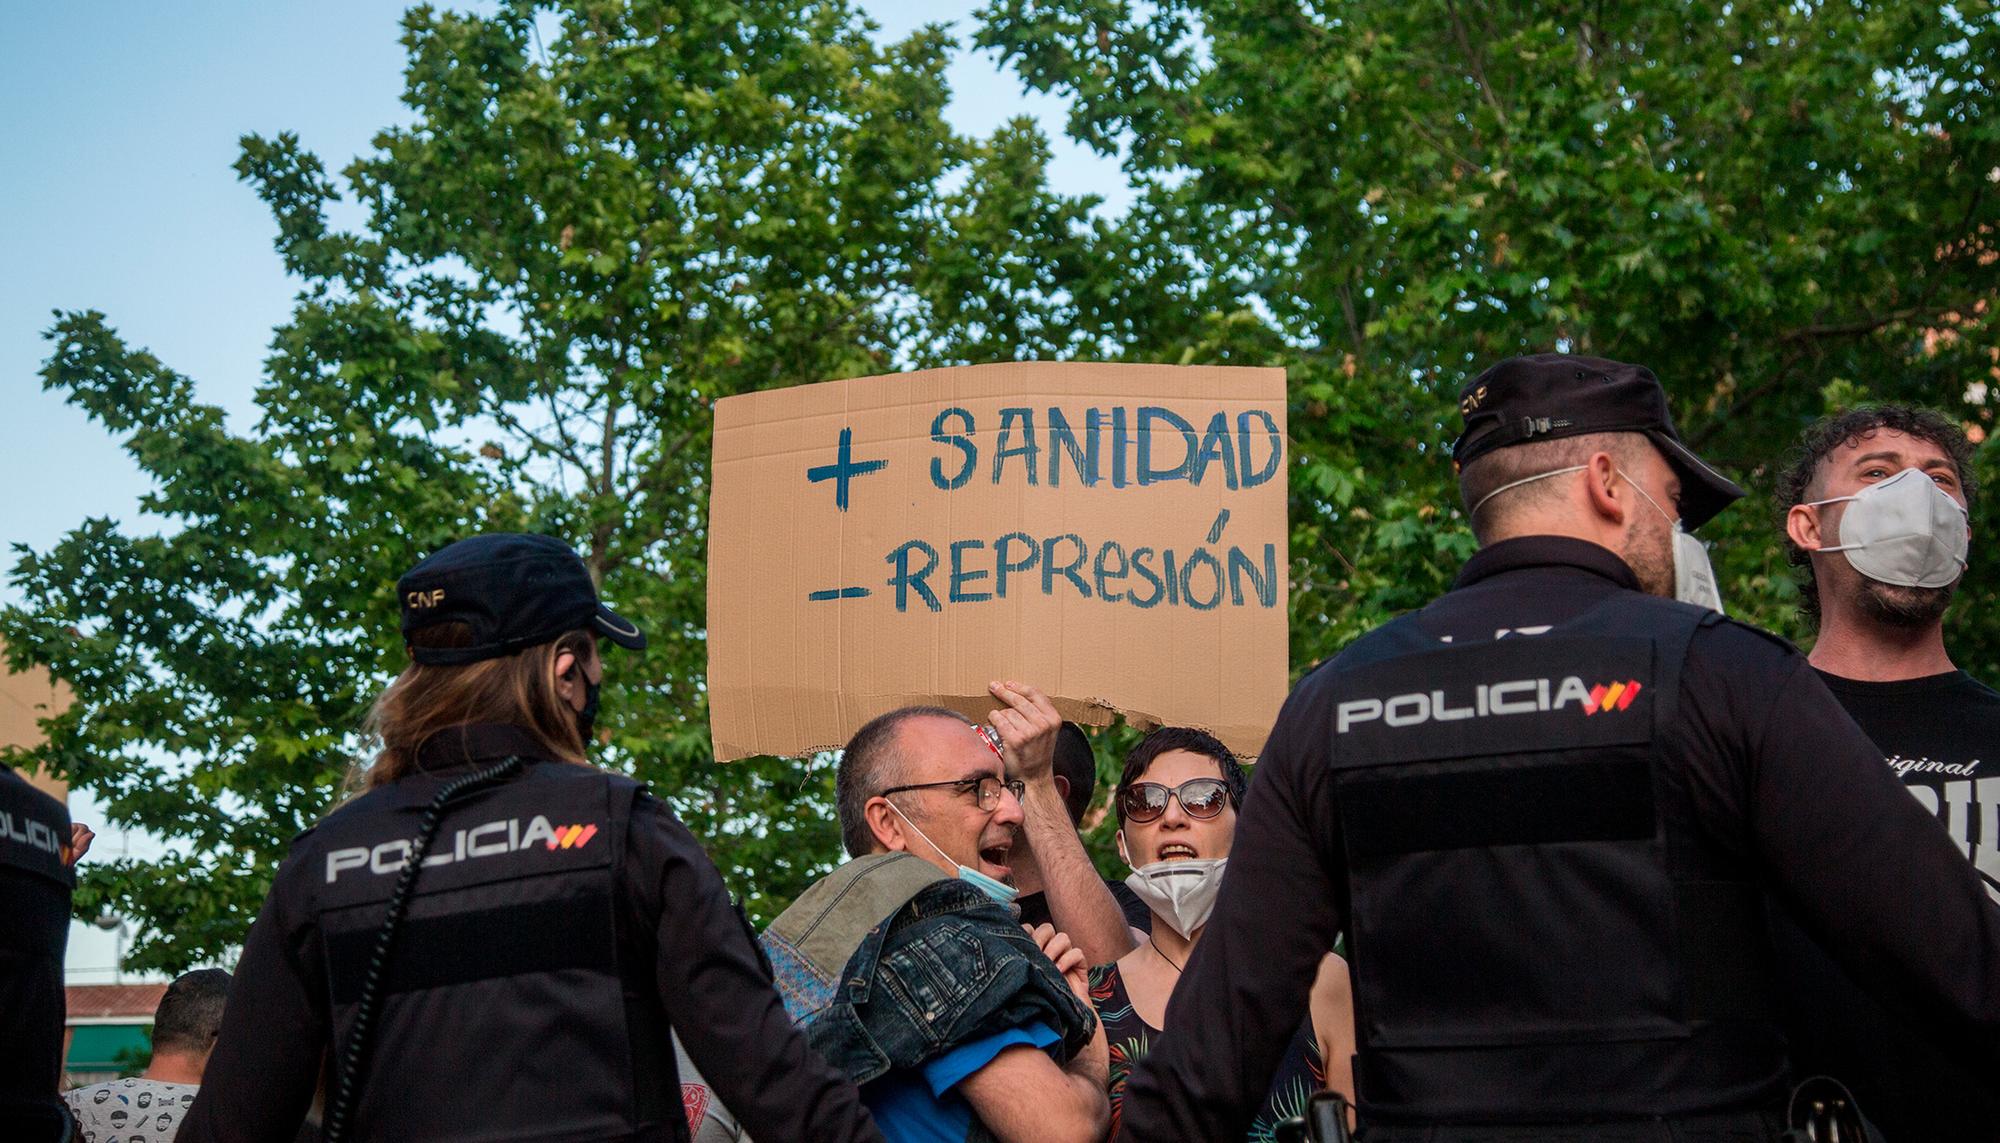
(599, 220)
(1779, 206)
(602, 220)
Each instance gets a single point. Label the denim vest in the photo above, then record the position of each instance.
(934, 963)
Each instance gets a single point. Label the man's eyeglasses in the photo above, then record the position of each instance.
(985, 787)
(1200, 798)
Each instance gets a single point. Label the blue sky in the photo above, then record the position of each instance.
(116, 184)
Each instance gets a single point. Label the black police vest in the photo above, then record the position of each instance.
(34, 828)
(503, 1011)
(34, 928)
(1536, 931)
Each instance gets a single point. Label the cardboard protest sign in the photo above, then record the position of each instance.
(1113, 534)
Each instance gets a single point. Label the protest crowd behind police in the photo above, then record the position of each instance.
(1566, 854)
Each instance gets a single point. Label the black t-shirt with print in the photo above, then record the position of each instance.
(1941, 735)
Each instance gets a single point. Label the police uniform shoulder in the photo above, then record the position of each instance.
(1723, 627)
(358, 804)
(1398, 636)
(564, 772)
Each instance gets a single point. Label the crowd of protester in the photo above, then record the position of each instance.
(966, 972)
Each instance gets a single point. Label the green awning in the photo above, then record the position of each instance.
(108, 1047)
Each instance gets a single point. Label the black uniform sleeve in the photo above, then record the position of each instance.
(34, 931)
(1781, 771)
(719, 997)
(1250, 979)
(260, 1080)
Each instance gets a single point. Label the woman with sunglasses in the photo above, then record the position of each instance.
(1177, 802)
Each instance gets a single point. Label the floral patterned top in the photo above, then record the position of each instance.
(1301, 1071)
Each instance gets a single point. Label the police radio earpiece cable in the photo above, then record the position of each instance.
(354, 1059)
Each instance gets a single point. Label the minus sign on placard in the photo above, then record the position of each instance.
(839, 593)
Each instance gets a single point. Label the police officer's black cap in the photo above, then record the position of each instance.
(510, 591)
(1550, 395)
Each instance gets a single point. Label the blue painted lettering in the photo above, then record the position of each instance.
(960, 441)
(960, 575)
(904, 580)
(1149, 473)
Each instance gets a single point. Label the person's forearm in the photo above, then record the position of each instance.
(1081, 1114)
(1079, 902)
(1093, 1063)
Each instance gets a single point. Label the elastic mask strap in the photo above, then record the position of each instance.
(1518, 483)
(1833, 500)
(922, 834)
(1649, 499)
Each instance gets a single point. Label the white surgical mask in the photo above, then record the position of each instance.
(1694, 576)
(1000, 891)
(1904, 530)
(1180, 892)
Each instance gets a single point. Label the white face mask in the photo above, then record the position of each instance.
(1001, 892)
(1180, 892)
(1694, 576)
(1904, 530)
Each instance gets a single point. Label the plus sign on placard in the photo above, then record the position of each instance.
(843, 468)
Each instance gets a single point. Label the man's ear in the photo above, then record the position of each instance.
(1062, 788)
(1608, 490)
(1122, 855)
(885, 824)
(1803, 526)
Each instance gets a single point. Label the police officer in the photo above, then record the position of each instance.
(494, 940)
(1542, 807)
(35, 885)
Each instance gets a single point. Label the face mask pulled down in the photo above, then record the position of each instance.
(1180, 892)
(1904, 530)
(1694, 576)
(999, 891)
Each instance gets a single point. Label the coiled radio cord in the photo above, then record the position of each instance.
(355, 1058)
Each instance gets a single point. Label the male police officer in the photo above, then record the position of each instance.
(34, 929)
(1542, 808)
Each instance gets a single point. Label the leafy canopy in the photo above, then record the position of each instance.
(574, 248)
(603, 219)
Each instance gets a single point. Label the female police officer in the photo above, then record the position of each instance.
(494, 939)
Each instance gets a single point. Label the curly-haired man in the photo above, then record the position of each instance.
(1876, 504)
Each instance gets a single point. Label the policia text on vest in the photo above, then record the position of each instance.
(1549, 852)
(498, 940)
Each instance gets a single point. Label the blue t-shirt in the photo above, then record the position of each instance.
(920, 1106)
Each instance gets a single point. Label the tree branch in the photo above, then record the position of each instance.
(1478, 66)
(513, 424)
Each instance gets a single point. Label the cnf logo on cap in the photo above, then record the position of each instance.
(505, 591)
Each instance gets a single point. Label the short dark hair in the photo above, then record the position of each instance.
(190, 1014)
(1194, 742)
(1493, 471)
(1799, 481)
(869, 764)
(1077, 763)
